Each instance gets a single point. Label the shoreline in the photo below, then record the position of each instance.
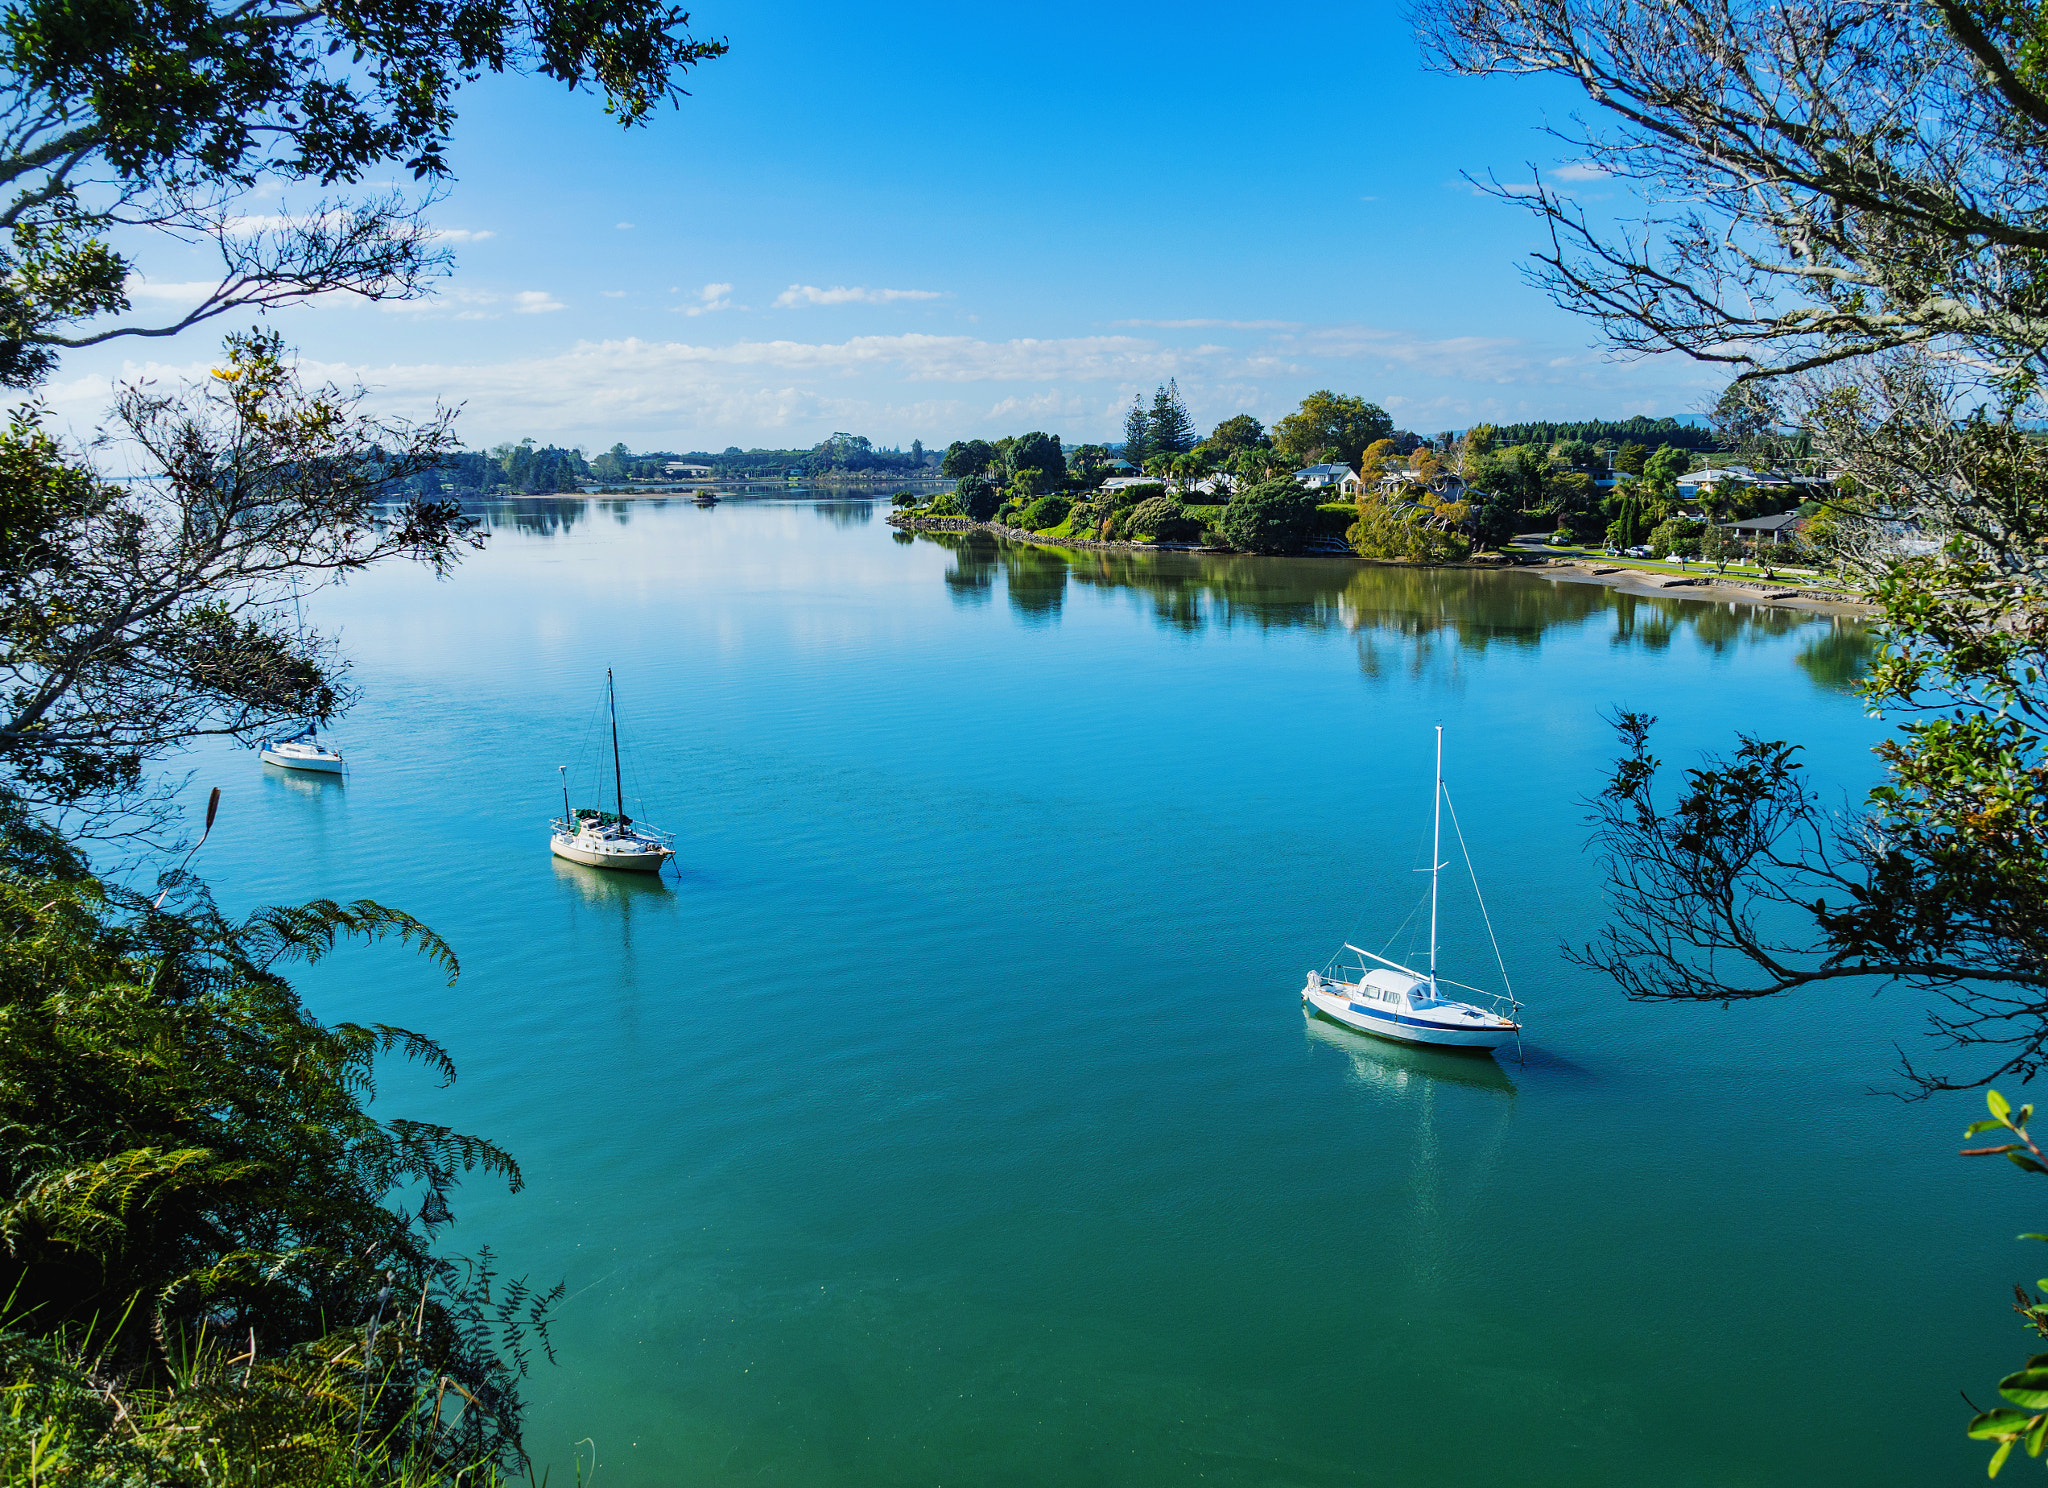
(1631, 581)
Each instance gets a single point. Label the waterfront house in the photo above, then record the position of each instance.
(1773, 530)
(1324, 477)
(685, 470)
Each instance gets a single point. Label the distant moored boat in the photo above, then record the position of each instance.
(1398, 1002)
(301, 751)
(608, 839)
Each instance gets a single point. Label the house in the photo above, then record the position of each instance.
(1323, 477)
(1125, 482)
(685, 470)
(1768, 529)
(1447, 485)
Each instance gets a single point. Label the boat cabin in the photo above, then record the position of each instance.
(1394, 988)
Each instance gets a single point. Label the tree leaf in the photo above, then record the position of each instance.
(2000, 1106)
(1998, 1423)
(1977, 1128)
(2027, 1387)
(1998, 1458)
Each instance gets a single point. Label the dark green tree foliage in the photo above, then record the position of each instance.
(1045, 512)
(183, 1148)
(1138, 447)
(1630, 457)
(978, 497)
(1042, 453)
(1238, 432)
(1169, 430)
(1611, 433)
(1163, 519)
(1276, 516)
(1331, 426)
(967, 457)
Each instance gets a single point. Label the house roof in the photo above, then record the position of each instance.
(1767, 524)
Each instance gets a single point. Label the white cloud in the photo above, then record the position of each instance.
(623, 226)
(613, 294)
(1229, 325)
(711, 297)
(810, 294)
(1579, 170)
(462, 234)
(535, 302)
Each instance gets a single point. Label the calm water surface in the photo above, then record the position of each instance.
(954, 1119)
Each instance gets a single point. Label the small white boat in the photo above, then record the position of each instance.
(608, 839)
(301, 752)
(1398, 1002)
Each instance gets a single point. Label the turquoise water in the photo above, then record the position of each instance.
(952, 1117)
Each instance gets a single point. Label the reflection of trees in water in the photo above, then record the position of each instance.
(1839, 656)
(972, 578)
(1425, 615)
(1036, 581)
(538, 518)
(846, 513)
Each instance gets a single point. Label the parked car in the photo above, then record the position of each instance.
(1640, 550)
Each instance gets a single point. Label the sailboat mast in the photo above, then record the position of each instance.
(618, 780)
(568, 816)
(1436, 839)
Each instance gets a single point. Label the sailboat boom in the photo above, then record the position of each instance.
(1384, 961)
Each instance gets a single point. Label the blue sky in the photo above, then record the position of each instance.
(935, 222)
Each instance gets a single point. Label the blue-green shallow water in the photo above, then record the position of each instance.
(954, 1118)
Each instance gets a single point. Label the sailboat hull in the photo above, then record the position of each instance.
(322, 763)
(622, 859)
(1408, 1027)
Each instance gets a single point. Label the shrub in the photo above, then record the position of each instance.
(1046, 511)
(1561, 537)
(945, 504)
(1276, 516)
(1164, 519)
(1129, 496)
(903, 498)
(1335, 517)
(978, 497)
(1676, 535)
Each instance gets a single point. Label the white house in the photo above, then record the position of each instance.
(1321, 477)
(684, 470)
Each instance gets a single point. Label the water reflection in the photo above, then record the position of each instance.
(1407, 620)
(1398, 1069)
(1838, 658)
(846, 513)
(604, 887)
(301, 782)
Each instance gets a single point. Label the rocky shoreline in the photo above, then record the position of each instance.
(1639, 582)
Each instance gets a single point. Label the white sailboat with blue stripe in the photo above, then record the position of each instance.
(1399, 1002)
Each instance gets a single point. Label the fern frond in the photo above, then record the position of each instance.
(307, 932)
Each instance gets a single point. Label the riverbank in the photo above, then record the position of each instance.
(1640, 582)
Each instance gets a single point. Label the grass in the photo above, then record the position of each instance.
(215, 1416)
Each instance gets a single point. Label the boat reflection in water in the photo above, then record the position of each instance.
(304, 782)
(597, 886)
(1395, 1069)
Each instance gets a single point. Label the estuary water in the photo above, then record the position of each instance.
(951, 1118)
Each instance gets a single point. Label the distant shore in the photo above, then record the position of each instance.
(1633, 581)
